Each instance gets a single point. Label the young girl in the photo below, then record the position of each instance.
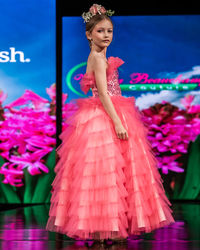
(107, 184)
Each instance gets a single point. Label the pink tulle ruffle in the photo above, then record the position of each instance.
(106, 187)
(88, 79)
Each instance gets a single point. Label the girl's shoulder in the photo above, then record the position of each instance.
(93, 59)
(112, 63)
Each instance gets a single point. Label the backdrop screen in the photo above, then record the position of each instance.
(161, 55)
(27, 100)
(162, 72)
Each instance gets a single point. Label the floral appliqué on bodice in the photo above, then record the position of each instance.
(113, 87)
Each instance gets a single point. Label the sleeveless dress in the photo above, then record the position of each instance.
(106, 187)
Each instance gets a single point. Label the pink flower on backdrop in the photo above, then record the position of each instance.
(27, 134)
(52, 94)
(187, 101)
(195, 109)
(12, 175)
(167, 163)
(171, 130)
(29, 96)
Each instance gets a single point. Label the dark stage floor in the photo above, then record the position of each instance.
(24, 228)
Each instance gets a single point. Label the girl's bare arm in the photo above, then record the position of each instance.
(99, 67)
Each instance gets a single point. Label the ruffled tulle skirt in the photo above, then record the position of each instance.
(106, 187)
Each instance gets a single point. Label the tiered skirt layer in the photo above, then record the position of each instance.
(106, 187)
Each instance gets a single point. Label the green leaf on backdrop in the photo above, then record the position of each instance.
(43, 188)
(8, 192)
(191, 187)
(30, 185)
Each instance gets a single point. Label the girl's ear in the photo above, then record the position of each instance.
(88, 35)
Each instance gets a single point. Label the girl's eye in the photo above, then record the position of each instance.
(102, 30)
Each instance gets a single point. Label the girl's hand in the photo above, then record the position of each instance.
(121, 131)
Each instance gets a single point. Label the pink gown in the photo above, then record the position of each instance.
(106, 187)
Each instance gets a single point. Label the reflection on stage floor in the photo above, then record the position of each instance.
(24, 228)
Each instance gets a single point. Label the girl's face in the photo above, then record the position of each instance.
(102, 34)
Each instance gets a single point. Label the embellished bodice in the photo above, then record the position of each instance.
(113, 87)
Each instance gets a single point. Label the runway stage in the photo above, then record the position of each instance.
(24, 228)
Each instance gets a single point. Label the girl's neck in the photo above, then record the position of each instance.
(99, 51)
